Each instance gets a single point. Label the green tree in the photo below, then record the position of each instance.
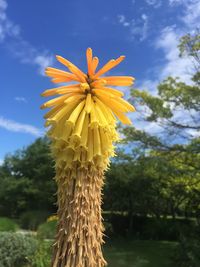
(27, 180)
(174, 152)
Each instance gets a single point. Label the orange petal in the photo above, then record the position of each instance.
(89, 60)
(54, 102)
(98, 83)
(74, 69)
(111, 64)
(119, 80)
(61, 80)
(123, 118)
(50, 92)
(110, 102)
(111, 90)
(95, 63)
(61, 75)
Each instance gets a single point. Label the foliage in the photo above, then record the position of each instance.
(7, 225)
(47, 230)
(187, 253)
(41, 258)
(168, 159)
(26, 180)
(32, 219)
(15, 249)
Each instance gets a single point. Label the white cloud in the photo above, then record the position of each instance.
(137, 28)
(20, 99)
(192, 14)
(154, 3)
(149, 85)
(168, 41)
(10, 34)
(1, 162)
(7, 27)
(122, 20)
(14, 126)
(175, 2)
(174, 65)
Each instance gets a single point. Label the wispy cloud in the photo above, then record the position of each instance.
(122, 20)
(20, 99)
(140, 28)
(172, 65)
(167, 42)
(14, 126)
(177, 2)
(10, 34)
(7, 27)
(154, 3)
(192, 14)
(137, 28)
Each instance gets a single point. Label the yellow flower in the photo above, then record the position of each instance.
(52, 218)
(83, 115)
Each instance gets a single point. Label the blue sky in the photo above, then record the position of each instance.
(33, 32)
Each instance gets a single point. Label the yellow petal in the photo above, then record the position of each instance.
(125, 103)
(123, 118)
(105, 110)
(73, 97)
(66, 133)
(88, 104)
(79, 124)
(111, 90)
(90, 145)
(62, 90)
(104, 141)
(103, 121)
(53, 111)
(55, 101)
(97, 142)
(110, 102)
(84, 133)
(65, 111)
(76, 112)
(84, 86)
(93, 117)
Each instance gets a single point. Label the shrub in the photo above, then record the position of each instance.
(47, 230)
(15, 249)
(7, 225)
(32, 219)
(187, 253)
(42, 257)
(149, 227)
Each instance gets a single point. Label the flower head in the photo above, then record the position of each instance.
(83, 116)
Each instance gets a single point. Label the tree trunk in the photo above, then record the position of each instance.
(80, 230)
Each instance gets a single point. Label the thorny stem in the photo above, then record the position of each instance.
(80, 230)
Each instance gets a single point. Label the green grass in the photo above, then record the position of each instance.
(122, 253)
(126, 253)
